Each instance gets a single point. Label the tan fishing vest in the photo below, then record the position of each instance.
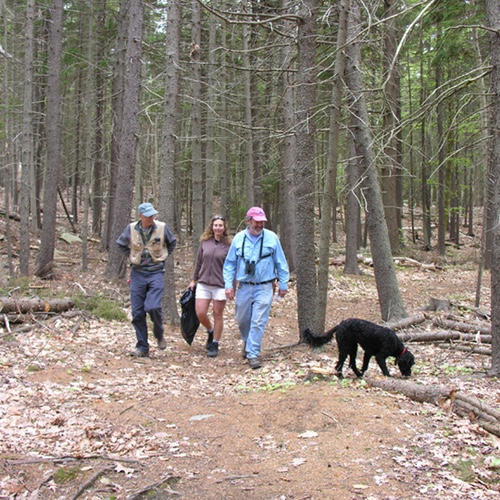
(155, 246)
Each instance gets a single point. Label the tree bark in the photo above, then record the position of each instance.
(27, 140)
(196, 126)
(390, 300)
(353, 212)
(493, 21)
(304, 166)
(116, 266)
(99, 145)
(442, 219)
(168, 146)
(248, 137)
(330, 188)
(391, 168)
(44, 267)
(288, 149)
(117, 92)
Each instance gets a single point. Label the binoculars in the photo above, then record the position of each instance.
(250, 268)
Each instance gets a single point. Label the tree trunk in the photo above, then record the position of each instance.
(288, 149)
(426, 202)
(99, 145)
(168, 147)
(196, 126)
(224, 161)
(27, 145)
(45, 260)
(391, 303)
(248, 138)
(390, 167)
(330, 187)
(89, 124)
(493, 22)
(304, 166)
(117, 93)
(441, 188)
(116, 265)
(211, 126)
(353, 212)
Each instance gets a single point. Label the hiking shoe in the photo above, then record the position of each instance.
(139, 353)
(254, 363)
(162, 343)
(213, 350)
(210, 339)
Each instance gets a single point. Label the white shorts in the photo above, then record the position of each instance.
(204, 291)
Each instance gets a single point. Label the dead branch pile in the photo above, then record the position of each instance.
(465, 406)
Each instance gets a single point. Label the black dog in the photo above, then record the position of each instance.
(375, 340)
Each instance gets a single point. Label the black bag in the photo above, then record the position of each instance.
(189, 320)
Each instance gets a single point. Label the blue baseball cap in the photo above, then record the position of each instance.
(147, 209)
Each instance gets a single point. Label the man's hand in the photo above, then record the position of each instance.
(230, 293)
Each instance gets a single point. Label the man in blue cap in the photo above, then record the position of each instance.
(147, 243)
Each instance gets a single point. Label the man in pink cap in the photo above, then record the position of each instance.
(255, 260)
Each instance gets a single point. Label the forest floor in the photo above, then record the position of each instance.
(81, 418)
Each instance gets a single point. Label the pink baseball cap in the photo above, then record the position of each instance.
(256, 213)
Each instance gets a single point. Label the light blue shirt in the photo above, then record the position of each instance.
(265, 251)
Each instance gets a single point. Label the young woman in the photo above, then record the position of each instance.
(207, 277)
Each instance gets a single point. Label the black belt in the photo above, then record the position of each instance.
(252, 283)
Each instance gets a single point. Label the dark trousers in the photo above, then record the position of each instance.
(146, 292)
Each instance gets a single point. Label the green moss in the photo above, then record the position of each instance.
(64, 475)
(101, 306)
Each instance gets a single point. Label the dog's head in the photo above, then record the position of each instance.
(405, 361)
(314, 339)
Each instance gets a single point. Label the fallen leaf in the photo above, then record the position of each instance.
(308, 434)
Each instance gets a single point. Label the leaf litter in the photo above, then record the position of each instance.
(78, 415)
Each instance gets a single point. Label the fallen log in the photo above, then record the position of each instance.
(422, 393)
(25, 318)
(462, 327)
(406, 322)
(444, 337)
(470, 349)
(465, 406)
(24, 305)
